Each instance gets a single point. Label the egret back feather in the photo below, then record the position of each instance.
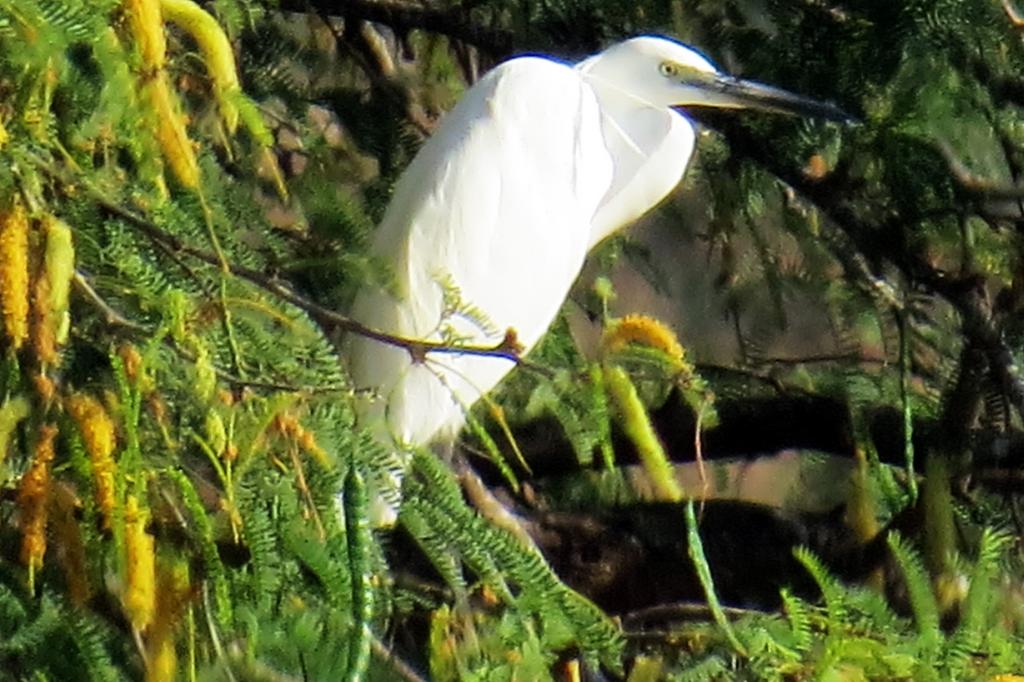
(500, 200)
(537, 163)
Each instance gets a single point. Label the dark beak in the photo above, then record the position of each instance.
(726, 91)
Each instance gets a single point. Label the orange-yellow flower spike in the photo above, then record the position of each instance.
(97, 431)
(162, 665)
(644, 330)
(148, 30)
(171, 132)
(146, 22)
(173, 594)
(132, 359)
(216, 49)
(140, 566)
(44, 340)
(33, 494)
(14, 268)
(290, 427)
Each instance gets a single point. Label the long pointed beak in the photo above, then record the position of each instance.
(726, 91)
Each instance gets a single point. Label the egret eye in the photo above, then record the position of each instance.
(668, 69)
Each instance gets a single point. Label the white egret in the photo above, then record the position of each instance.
(537, 163)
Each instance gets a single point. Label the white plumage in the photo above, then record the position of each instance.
(538, 162)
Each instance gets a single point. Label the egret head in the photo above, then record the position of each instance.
(663, 72)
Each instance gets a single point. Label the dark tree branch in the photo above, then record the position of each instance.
(508, 348)
(369, 48)
(405, 15)
(971, 184)
(115, 319)
(851, 238)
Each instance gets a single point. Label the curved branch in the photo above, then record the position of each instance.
(116, 319)
(404, 15)
(851, 239)
(508, 348)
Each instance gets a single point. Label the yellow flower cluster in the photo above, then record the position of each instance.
(146, 19)
(33, 495)
(146, 22)
(173, 594)
(14, 272)
(147, 27)
(644, 330)
(290, 427)
(50, 290)
(97, 431)
(140, 566)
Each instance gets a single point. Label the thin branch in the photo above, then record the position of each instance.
(679, 611)
(406, 15)
(489, 506)
(363, 42)
(823, 358)
(508, 348)
(110, 316)
(973, 185)
(240, 382)
(774, 382)
(116, 319)
(400, 667)
(850, 238)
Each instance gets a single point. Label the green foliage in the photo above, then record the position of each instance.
(517, 575)
(922, 602)
(221, 401)
(33, 630)
(700, 564)
(215, 401)
(858, 634)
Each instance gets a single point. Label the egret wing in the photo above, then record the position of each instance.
(496, 211)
